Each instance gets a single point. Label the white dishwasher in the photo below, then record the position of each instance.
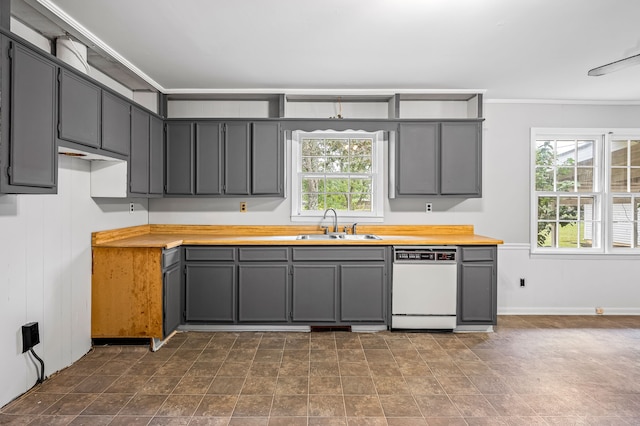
(424, 288)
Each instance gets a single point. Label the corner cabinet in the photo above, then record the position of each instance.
(208, 158)
(28, 154)
(438, 159)
(477, 285)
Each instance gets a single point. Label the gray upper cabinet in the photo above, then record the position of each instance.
(156, 156)
(179, 149)
(461, 158)
(80, 110)
(208, 158)
(236, 164)
(417, 165)
(267, 159)
(116, 124)
(139, 157)
(29, 157)
(439, 159)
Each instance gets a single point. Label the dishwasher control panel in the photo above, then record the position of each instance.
(424, 254)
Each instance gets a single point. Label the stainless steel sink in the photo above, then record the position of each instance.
(337, 237)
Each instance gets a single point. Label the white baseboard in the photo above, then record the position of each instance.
(566, 311)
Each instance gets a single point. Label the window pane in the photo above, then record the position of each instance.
(623, 216)
(585, 153)
(546, 234)
(337, 147)
(360, 185)
(544, 153)
(544, 179)
(547, 208)
(360, 202)
(565, 153)
(361, 147)
(337, 185)
(337, 164)
(338, 201)
(568, 234)
(360, 165)
(585, 179)
(619, 180)
(313, 147)
(568, 208)
(313, 202)
(619, 153)
(587, 209)
(313, 185)
(635, 180)
(586, 234)
(635, 153)
(313, 164)
(637, 211)
(566, 179)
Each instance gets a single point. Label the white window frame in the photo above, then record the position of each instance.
(377, 175)
(601, 178)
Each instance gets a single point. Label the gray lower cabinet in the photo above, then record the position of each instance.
(80, 110)
(363, 293)
(210, 292)
(263, 293)
(28, 152)
(172, 291)
(477, 285)
(439, 159)
(314, 293)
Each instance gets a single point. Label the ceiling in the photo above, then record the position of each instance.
(525, 49)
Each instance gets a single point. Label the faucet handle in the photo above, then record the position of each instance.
(325, 229)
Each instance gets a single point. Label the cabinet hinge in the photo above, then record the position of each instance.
(291, 270)
(9, 171)
(291, 315)
(10, 51)
(184, 315)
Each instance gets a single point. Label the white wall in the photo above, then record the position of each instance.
(555, 285)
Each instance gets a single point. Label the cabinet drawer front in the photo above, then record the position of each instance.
(478, 254)
(170, 257)
(252, 254)
(210, 253)
(339, 253)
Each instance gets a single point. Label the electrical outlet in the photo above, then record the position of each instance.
(429, 207)
(30, 336)
(243, 206)
(131, 208)
(599, 311)
(521, 282)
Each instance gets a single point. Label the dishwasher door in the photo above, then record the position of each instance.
(424, 295)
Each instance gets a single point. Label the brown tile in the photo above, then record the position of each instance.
(363, 406)
(297, 344)
(289, 405)
(174, 368)
(424, 385)
(457, 385)
(143, 405)
(213, 354)
(327, 421)
(326, 385)
(209, 421)
(354, 368)
(46, 420)
(226, 385)
(169, 421)
(71, 404)
(83, 420)
(216, 406)
(95, 384)
(60, 384)
(326, 406)
(268, 355)
(159, 385)
(259, 386)
(287, 421)
(249, 421)
(253, 406)
(144, 368)
(204, 368)
(399, 406)
(379, 356)
(490, 385)
(327, 344)
(247, 343)
(436, 406)
(329, 368)
(473, 406)
(358, 385)
(406, 421)
(179, 405)
(292, 385)
(127, 384)
(510, 405)
(444, 368)
(301, 355)
(385, 370)
(323, 355)
(351, 355)
(113, 368)
(130, 421)
(294, 369)
(264, 369)
(367, 421)
(389, 385)
(418, 368)
(32, 403)
(193, 385)
(241, 355)
(272, 343)
(234, 369)
(107, 403)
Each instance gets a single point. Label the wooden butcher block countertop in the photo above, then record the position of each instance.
(167, 236)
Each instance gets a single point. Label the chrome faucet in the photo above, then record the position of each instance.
(335, 219)
(354, 228)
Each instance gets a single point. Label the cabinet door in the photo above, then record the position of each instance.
(208, 158)
(363, 293)
(79, 110)
(461, 159)
(172, 311)
(139, 157)
(31, 153)
(267, 159)
(417, 159)
(315, 293)
(179, 159)
(262, 293)
(116, 124)
(236, 155)
(477, 293)
(210, 292)
(156, 156)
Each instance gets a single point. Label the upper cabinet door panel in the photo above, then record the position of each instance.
(267, 155)
(33, 156)
(179, 159)
(116, 124)
(139, 158)
(79, 110)
(208, 158)
(156, 156)
(417, 159)
(237, 158)
(461, 158)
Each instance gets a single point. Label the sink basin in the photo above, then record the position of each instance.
(338, 237)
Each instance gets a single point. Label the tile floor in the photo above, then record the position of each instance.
(533, 370)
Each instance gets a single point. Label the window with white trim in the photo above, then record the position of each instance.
(339, 170)
(585, 195)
